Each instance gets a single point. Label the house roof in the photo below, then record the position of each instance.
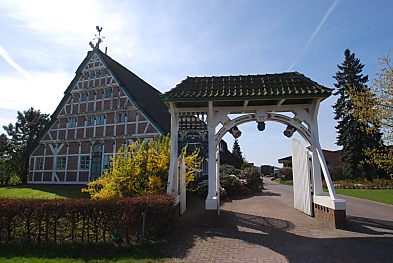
(332, 157)
(143, 94)
(145, 97)
(268, 86)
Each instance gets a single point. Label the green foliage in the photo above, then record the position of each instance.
(375, 106)
(22, 136)
(285, 173)
(84, 220)
(237, 155)
(337, 173)
(229, 169)
(353, 134)
(252, 177)
(139, 169)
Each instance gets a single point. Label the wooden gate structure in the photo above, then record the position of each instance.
(202, 106)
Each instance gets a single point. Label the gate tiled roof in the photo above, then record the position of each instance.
(267, 86)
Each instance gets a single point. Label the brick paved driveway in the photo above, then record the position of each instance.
(267, 228)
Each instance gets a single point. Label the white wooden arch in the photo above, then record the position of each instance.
(276, 117)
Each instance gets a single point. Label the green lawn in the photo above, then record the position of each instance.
(379, 195)
(43, 191)
(82, 252)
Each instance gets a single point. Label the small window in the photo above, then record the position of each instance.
(121, 118)
(60, 163)
(100, 119)
(84, 162)
(98, 73)
(107, 93)
(83, 96)
(107, 161)
(92, 74)
(90, 121)
(72, 123)
(39, 163)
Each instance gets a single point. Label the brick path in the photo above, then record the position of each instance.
(267, 228)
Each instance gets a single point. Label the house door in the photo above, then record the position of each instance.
(96, 162)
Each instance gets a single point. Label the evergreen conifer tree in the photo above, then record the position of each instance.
(237, 155)
(353, 134)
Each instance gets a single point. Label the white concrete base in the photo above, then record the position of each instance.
(211, 203)
(325, 200)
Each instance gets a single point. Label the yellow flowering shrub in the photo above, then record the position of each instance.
(140, 168)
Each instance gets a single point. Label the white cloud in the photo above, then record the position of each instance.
(43, 90)
(314, 34)
(70, 23)
(4, 54)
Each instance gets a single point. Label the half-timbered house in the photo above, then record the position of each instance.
(104, 107)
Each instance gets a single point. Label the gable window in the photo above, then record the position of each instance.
(84, 162)
(83, 96)
(90, 121)
(98, 73)
(92, 74)
(60, 163)
(107, 93)
(100, 119)
(121, 118)
(39, 163)
(72, 123)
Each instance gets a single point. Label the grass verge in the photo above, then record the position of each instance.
(81, 252)
(43, 191)
(378, 195)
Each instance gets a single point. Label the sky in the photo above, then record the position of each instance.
(43, 42)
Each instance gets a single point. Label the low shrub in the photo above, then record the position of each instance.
(232, 185)
(285, 173)
(253, 180)
(365, 184)
(235, 182)
(85, 220)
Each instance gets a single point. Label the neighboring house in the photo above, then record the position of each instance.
(104, 107)
(332, 159)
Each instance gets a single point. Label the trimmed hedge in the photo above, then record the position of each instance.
(84, 220)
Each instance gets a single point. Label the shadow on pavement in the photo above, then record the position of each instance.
(275, 234)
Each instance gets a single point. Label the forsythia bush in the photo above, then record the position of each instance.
(140, 168)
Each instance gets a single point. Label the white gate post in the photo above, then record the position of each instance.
(218, 186)
(211, 200)
(173, 165)
(316, 167)
(182, 185)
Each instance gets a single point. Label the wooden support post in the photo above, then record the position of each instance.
(183, 200)
(173, 165)
(211, 200)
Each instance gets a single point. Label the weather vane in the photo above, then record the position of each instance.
(98, 38)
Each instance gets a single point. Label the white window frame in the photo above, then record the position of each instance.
(107, 161)
(121, 117)
(107, 93)
(84, 162)
(72, 122)
(41, 163)
(84, 96)
(90, 120)
(60, 165)
(100, 119)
